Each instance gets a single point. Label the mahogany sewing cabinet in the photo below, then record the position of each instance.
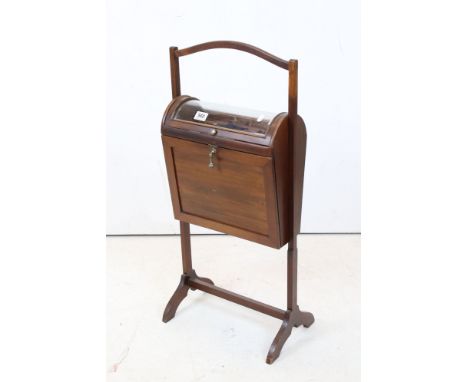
(239, 172)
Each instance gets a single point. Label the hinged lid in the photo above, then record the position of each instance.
(189, 118)
(225, 117)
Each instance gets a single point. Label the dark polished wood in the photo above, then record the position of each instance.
(186, 247)
(199, 283)
(244, 206)
(179, 294)
(186, 146)
(234, 45)
(292, 318)
(199, 132)
(175, 73)
(253, 189)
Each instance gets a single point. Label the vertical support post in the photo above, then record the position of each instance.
(292, 274)
(175, 73)
(186, 247)
(292, 89)
(293, 210)
(184, 226)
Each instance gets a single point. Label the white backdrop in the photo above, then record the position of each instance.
(324, 35)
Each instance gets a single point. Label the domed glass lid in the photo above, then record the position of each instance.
(244, 121)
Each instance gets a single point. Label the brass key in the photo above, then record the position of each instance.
(211, 154)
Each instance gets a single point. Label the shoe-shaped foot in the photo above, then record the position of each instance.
(179, 294)
(306, 319)
(292, 319)
(283, 334)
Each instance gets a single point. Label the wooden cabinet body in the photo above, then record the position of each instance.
(230, 172)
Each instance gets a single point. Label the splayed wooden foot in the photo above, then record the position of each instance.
(180, 293)
(292, 319)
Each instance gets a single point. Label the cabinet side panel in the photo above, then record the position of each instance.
(171, 174)
(280, 155)
(300, 143)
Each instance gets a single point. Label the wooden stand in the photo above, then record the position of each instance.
(292, 316)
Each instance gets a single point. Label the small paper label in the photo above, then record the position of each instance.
(200, 116)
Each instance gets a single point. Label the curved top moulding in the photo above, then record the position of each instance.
(234, 45)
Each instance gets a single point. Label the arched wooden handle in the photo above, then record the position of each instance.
(234, 45)
(290, 66)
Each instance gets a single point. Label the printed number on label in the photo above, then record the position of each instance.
(200, 116)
